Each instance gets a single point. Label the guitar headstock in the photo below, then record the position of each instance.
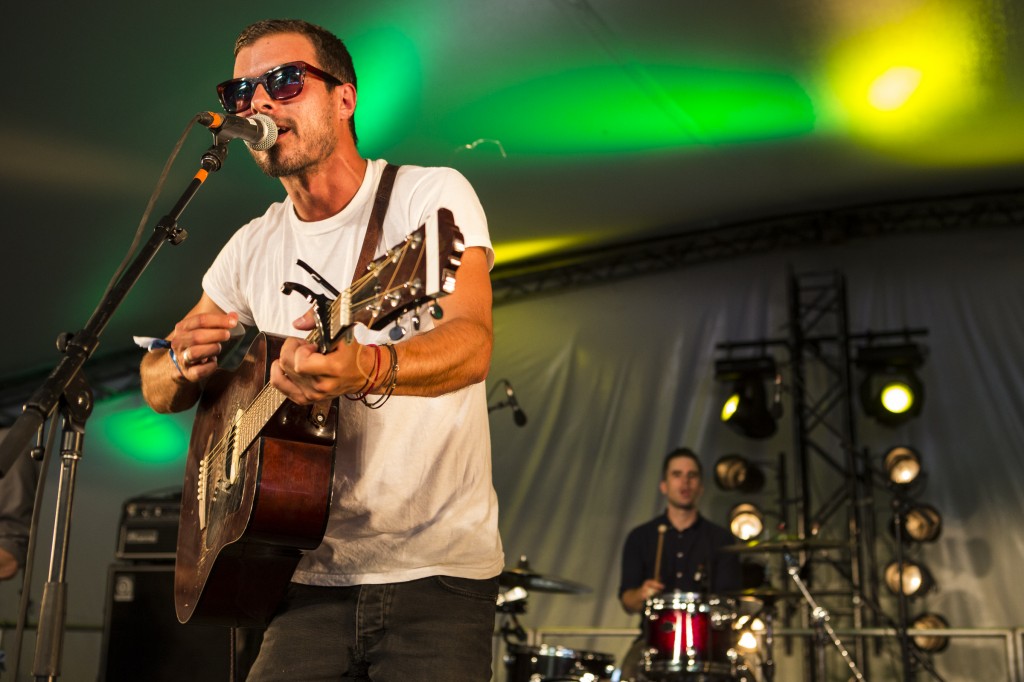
(418, 270)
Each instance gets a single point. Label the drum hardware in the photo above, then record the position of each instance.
(523, 576)
(784, 545)
(689, 636)
(543, 663)
(820, 615)
(548, 663)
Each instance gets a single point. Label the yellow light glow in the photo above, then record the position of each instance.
(729, 408)
(509, 252)
(907, 76)
(893, 88)
(897, 398)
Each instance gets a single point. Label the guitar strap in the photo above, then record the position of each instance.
(375, 227)
(371, 240)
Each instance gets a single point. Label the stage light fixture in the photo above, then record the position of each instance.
(746, 521)
(921, 523)
(746, 409)
(891, 391)
(735, 472)
(916, 578)
(750, 629)
(930, 643)
(902, 465)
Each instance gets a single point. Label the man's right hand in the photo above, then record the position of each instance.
(634, 600)
(8, 564)
(196, 341)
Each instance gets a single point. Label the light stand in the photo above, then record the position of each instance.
(65, 387)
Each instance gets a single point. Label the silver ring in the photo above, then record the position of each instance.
(186, 357)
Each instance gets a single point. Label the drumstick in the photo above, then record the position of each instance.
(657, 556)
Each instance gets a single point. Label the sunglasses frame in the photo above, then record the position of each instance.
(304, 68)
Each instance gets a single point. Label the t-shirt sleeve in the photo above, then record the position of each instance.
(437, 188)
(223, 281)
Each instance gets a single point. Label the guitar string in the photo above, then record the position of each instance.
(266, 397)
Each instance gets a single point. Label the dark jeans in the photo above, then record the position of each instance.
(436, 628)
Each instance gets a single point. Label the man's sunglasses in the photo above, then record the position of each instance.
(281, 82)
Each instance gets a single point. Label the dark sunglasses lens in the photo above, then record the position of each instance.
(235, 95)
(285, 82)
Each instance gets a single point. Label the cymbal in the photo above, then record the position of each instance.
(767, 593)
(529, 580)
(790, 545)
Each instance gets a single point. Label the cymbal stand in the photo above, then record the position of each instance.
(820, 615)
(768, 667)
(510, 604)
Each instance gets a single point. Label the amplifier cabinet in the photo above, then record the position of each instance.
(149, 528)
(143, 640)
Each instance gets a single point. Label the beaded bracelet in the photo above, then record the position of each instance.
(371, 377)
(391, 379)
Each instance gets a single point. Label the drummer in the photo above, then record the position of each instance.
(679, 550)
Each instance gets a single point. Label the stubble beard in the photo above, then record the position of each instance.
(320, 144)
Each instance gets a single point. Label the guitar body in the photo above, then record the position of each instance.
(249, 509)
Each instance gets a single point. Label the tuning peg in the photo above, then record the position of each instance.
(436, 311)
(397, 332)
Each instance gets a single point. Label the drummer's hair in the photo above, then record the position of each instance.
(681, 452)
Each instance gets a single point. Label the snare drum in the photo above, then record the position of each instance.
(689, 637)
(547, 663)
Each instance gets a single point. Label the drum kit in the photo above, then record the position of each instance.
(686, 636)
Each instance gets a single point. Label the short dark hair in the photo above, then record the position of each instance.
(331, 52)
(681, 452)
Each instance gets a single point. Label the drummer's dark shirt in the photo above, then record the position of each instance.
(690, 560)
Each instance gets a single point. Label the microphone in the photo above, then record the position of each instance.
(517, 412)
(259, 132)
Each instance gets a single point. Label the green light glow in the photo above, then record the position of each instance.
(390, 79)
(133, 431)
(609, 110)
(906, 78)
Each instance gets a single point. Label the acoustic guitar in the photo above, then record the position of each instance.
(258, 477)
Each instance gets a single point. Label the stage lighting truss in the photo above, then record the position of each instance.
(930, 643)
(746, 409)
(746, 521)
(891, 391)
(735, 472)
(916, 579)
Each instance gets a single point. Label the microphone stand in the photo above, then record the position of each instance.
(66, 387)
(821, 616)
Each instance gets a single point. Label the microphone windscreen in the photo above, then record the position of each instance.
(269, 133)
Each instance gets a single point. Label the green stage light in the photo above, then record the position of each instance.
(891, 391)
(746, 409)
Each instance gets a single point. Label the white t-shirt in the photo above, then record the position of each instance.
(413, 494)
